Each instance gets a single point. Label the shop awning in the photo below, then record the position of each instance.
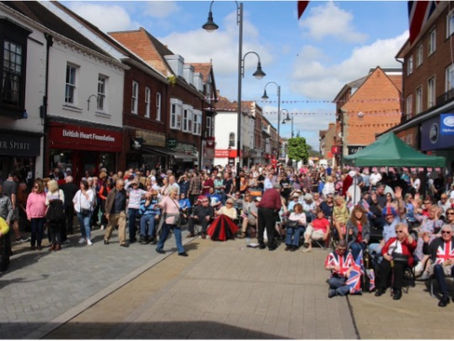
(184, 157)
(157, 150)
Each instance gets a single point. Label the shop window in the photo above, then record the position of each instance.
(158, 106)
(147, 101)
(432, 41)
(70, 89)
(101, 100)
(197, 125)
(134, 97)
(431, 92)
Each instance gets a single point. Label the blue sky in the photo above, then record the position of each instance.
(333, 43)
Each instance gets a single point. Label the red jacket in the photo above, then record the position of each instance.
(271, 199)
(407, 248)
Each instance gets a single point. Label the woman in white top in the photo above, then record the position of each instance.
(83, 205)
(294, 227)
(329, 186)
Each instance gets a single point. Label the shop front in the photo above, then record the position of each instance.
(146, 149)
(208, 152)
(185, 156)
(437, 137)
(83, 149)
(18, 152)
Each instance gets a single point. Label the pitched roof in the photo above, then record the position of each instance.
(204, 69)
(35, 11)
(397, 81)
(225, 104)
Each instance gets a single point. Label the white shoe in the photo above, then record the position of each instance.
(89, 242)
(81, 240)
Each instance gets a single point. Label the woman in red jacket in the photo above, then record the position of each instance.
(397, 254)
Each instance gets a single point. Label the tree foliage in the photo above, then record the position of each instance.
(297, 149)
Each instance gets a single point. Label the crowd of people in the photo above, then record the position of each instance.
(400, 218)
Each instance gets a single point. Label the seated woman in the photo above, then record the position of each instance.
(318, 229)
(149, 213)
(358, 231)
(397, 254)
(185, 207)
(228, 210)
(339, 263)
(340, 216)
(249, 214)
(295, 225)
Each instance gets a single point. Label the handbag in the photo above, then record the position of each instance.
(292, 223)
(399, 257)
(84, 211)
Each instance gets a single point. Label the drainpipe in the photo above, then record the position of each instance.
(43, 109)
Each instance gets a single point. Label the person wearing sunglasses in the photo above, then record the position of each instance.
(202, 214)
(441, 252)
(449, 219)
(397, 254)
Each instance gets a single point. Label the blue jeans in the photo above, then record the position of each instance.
(293, 235)
(338, 284)
(132, 215)
(356, 249)
(440, 276)
(84, 222)
(37, 227)
(165, 232)
(147, 221)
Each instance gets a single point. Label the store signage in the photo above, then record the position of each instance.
(18, 145)
(67, 136)
(447, 124)
(354, 149)
(225, 153)
(432, 137)
(171, 143)
(151, 138)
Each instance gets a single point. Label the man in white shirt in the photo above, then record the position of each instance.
(375, 177)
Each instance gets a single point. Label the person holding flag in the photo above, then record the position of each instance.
(441, 252)
(340, 263)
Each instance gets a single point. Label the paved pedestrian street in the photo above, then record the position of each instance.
(222, 290)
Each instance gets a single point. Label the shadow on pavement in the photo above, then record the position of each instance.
(156, 330)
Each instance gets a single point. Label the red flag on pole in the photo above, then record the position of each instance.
(301, 7)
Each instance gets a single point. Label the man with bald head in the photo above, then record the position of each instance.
(116, 213)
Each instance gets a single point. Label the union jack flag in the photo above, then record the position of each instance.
(418, 14)
(371, 274)
(444, 252)
(344, 262)
(354, 280)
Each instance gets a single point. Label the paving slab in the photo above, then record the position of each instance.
(41, 286)
(221, 291)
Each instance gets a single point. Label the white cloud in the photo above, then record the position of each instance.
(330, 20)
(101, 16)
(161, 9)
(314, 79)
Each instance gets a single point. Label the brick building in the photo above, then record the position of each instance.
(428, 86)
(367, 107)
(327, 141)
(187, 103)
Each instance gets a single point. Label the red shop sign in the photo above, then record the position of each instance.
(68, 136)
(228, 153)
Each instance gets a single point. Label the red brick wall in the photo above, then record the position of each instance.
(433, 65)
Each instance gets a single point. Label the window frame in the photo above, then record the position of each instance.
(158, 106)
(72, 86)
(448, 22)
(409, 107)
(418, 100)
(101, 95)
(432, 41)
(431, 92)
(208, 126)
(419, 55)
(135, 98)
(176, 112)
(147, 102)
(410, 65)
(187, 119)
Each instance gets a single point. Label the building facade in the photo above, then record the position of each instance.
(367, 107)
(428, 86)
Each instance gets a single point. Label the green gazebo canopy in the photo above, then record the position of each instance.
(389, 150)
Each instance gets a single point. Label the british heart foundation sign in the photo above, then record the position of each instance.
(67, 136)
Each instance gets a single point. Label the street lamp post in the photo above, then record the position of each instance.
(287, 118)
(211, 26)
(265, 97)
